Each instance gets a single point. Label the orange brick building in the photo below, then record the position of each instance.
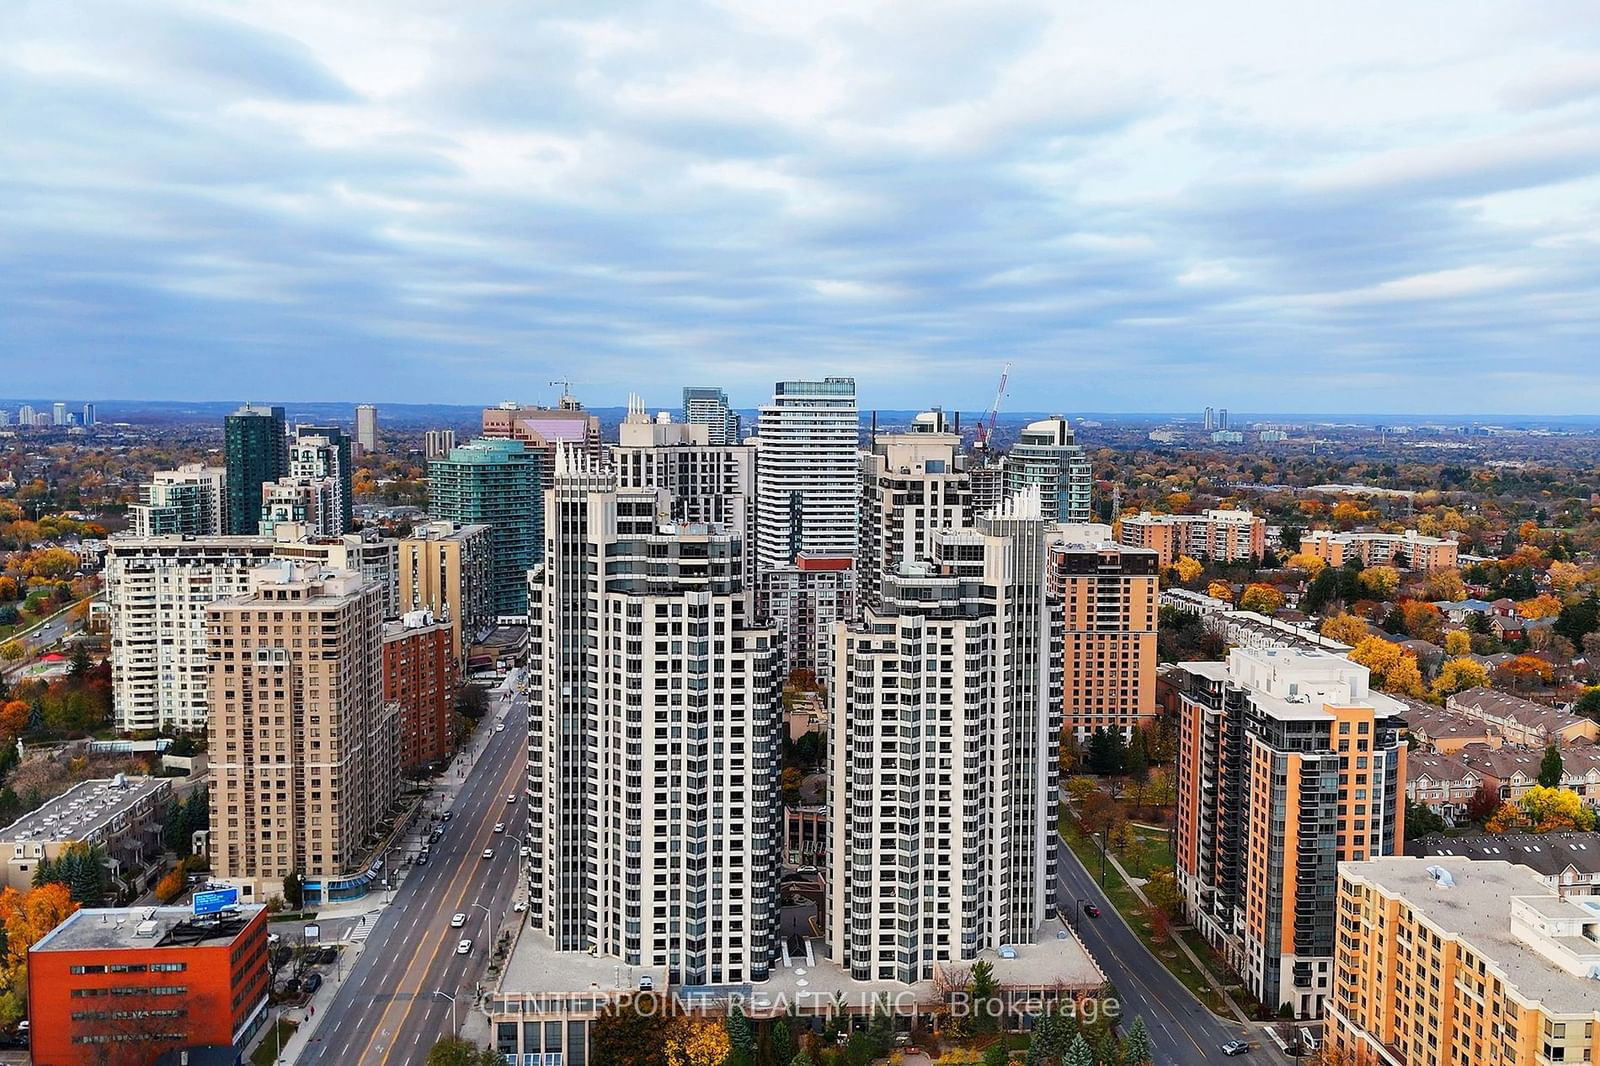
(1109, 597)
(1446, 961)
(124, 986)
(1218, 534)
(421, 675)
(1288, 764)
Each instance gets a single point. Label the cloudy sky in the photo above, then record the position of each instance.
(1144, 206)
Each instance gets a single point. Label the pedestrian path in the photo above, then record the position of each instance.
(361, 930)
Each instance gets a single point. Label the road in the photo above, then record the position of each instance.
(386, 1010)
(1182, 1031)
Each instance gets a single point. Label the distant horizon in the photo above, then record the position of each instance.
(103, 406)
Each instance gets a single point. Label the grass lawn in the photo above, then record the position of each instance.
(1151, 848)
(1122, 897)
(267, 1050)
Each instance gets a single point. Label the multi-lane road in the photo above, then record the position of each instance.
(386, 1011)
(1182, 1031)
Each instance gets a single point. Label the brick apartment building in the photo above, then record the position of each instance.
(421, 675)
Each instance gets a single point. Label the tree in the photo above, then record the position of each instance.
(789, 782)
(1445, 585)
(1484, 803)
(1078, 1053)
(1323, 591)
(1162, 890)
(1345, 628)
(1380, 581)
(80, 664)
(11, 651)
(1543, 810)
(1393, 669)
(14, 716)
(1541, 606)
(294, 890)
(1457, 642)
(1187, 569)
(1136, 1049)
(695, 1041)
(1525, 670)
(1260, 598)
(1220, 590)
(1421, 820)
(1550, 768)
(472, 701)
(1108, 753)
(995, 1054)
(1588, 703)
(631, 1031)
(1312, 564)
(170, 887)
(781, 1042)
(452, 1052)
(984, 989)
(1458, 675)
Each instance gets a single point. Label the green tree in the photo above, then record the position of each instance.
(453, 1052)
(858, 1050)
(1421, 820)
(984, 988)
(1136, 1049)
(741, 1038)
(995, 1054)
(294, 890)
(1108, 753)
(880, 1030)
(801, 1058)
(781, 1041)
(1078, 1053)
(1550, 768)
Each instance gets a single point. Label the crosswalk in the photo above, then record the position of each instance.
(361, 930)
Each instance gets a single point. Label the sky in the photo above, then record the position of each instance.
(1149, 206)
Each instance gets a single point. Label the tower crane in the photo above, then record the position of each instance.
(987, 423)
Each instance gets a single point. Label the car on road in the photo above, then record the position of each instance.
(1235, 1047)
(446, 816)
(488, 853)
(501, 728)
(1091, 910)
(464, 947)
(434, 836)
(422, 858)
(457, 920)
(512, 798)
(499, 827)
(312, 983)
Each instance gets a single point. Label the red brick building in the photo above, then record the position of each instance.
(124, 986)
(421, 675)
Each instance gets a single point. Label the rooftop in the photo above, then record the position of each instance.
(85, 810)
(537, 968)
(1531, 715)
(133, 928)
(1548, 853)
(1477, 910)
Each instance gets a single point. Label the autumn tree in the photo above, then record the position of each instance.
(1543, 810)
(1345, 628)
(1484, 803)
(1541, 606)
(1525, 670)
(1260, 598)
(1458, 675)
(1381, 581)
(693, 1041)
(1457, 642)
(1310, 563)
(1186, 569)
(1445, 585)
(1220, 590)
(1393, 668)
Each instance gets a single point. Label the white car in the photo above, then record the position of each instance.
(501, 728)
(464, 948)
(488, 853)
(520, 905)
(457, 920)
(511, 798)
(499, 827)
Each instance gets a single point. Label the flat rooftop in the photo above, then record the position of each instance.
(1476, 909)
(84, 810)
(119, 928)
(537, 968)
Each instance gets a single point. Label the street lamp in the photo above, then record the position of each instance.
(487, 914)
(453, 1030)
(1077, 911)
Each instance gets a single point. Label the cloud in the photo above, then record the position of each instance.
(214, 202)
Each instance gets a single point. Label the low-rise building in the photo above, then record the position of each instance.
(120, 814)
(1513, 769)
(1441, 730)
(1522, 721)
(1405, 551)
(1441, 783)
(1568, 862)
(147, 984)
(1219, 534)
(1449, 962)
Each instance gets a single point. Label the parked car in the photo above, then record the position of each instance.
(1235, 1047)
(312, 983)
(446, 816)
(520, 905)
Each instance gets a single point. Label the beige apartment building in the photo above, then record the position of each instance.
(1407, 551)
(1109, 598)
(444, 567)
(1221, 535)
(304, 751)
(1450, 962)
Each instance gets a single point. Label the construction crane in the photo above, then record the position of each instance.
(992, 416)
(568, 401)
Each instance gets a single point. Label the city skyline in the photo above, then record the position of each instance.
(466, 206)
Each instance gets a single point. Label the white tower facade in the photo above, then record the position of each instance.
(653, 739)
(808, 441)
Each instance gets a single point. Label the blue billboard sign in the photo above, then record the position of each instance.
(214, 901)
